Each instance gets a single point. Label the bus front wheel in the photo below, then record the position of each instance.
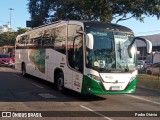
(60, 82)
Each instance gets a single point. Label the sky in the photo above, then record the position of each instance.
(20, 15)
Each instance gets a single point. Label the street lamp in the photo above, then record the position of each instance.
(10, 9)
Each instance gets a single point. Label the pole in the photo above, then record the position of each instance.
(10, 9)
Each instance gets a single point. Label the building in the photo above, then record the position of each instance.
(5, 28)
(141, 46)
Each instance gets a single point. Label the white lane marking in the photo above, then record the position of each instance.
(37, 85)
(96, 112)
(47, 95)
(140, 98)
(16, 75)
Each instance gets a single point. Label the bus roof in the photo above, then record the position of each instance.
(109, 26)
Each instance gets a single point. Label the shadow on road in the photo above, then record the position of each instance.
(15, 88)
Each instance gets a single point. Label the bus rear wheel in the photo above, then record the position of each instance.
(24, 74)
(60, 83)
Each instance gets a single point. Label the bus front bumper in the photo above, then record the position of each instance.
(90, 86)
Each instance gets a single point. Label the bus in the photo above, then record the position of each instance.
(88, 57)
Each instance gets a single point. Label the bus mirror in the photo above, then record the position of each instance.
(148, 44)
(89, 41)
(129, 51)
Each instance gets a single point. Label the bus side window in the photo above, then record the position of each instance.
(37, 42)
(18, 43)
(22, 42)
(47, 42)
(47, 39)
(30, 43)
(78, 52)
(59, 39)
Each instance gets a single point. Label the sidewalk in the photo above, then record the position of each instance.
(149, 82)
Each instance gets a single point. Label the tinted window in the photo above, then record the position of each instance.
(35, 39)
(59, 39)
(47, 39)
(22, 41)
(4, 56)
(75, 47)
(51, 38)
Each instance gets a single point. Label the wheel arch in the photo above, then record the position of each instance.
(57, 71)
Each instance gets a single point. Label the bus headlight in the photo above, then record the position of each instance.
(98, 78)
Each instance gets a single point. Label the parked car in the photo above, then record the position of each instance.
(140, 66)
(143, 64)
(6, 60)
(147, 63)
(154, 69)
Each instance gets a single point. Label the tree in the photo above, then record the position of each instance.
(40, 10)
(44, 11)
(8, 38)
(21, 30)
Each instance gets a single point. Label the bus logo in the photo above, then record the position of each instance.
(6, 114)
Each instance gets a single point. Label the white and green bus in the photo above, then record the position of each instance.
(85, 56)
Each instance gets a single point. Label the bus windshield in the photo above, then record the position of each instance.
(110, 51)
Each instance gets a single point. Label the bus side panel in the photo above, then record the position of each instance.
(21, 55)
(77, 81)
(42, 63)
(35, 62)
(17, 60)
(56, 60)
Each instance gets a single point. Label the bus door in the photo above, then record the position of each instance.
(75, 57)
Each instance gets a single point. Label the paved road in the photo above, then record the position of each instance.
(32, 94)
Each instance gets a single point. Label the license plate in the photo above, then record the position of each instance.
(115, 87)
(6, 63)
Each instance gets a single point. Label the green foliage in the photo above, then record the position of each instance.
(21, 30)
(8, 38)
(44, 11)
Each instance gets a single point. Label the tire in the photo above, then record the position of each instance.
(24, 74)
(60, 83)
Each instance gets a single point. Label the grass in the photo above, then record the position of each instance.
(148, 81)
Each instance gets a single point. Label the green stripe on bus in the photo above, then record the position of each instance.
(90, 86)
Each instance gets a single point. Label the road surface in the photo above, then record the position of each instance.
(35, 95)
